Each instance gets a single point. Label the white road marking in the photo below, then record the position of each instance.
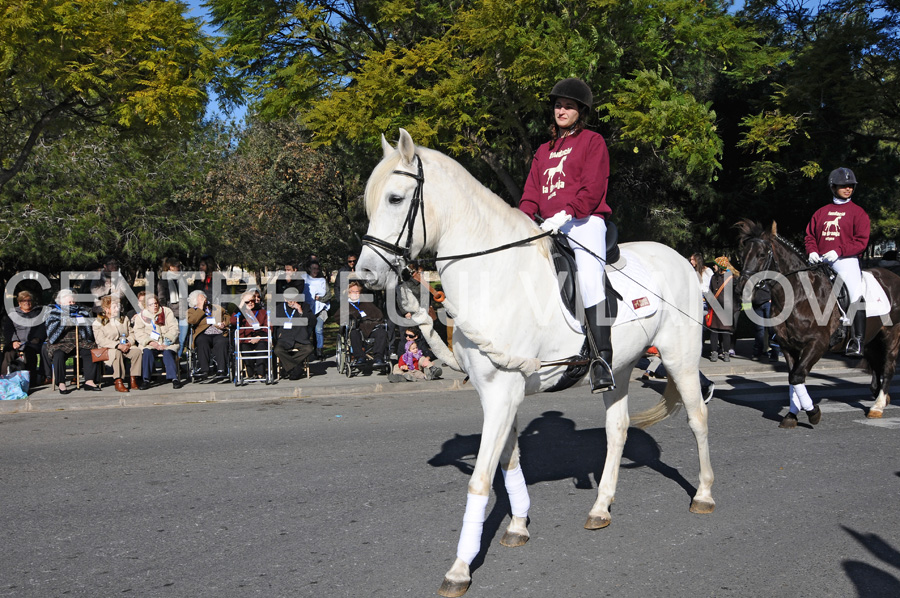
(891, 423)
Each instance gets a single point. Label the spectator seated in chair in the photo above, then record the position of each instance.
(296, 325)
(24, 332)
(112, 331)
(156, 331)
(63, 319)
(366, 323)
(210, 325)
(253, 322)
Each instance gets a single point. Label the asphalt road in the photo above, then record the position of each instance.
(364, 496)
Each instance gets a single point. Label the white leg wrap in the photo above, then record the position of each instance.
(803, 395)
(519, 501)
(473, 524)
(795, 400)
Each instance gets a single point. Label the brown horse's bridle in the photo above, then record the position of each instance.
(770, 258)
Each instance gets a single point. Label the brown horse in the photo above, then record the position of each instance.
(807, 329)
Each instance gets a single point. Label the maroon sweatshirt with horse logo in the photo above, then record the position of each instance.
(571, 177)
(842, 227)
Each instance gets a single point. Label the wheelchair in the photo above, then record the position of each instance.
(344, 355)
(239, 377)
(193, 364)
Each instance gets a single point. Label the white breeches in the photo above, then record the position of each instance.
(590, 232)
(848, 268)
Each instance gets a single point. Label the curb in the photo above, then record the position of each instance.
(331, 384)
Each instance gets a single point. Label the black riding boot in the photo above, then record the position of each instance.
(600, 343)
(858, 332)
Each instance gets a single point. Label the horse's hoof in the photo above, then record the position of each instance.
(513, 539)
(451, 589)
(596, 522)
(788, 421)
(814, 415)
(874, 414)
(702, 507)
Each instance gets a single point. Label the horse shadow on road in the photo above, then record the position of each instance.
(871, 581)
(553, 449)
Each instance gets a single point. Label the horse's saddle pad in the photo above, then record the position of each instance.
(877, 302)
(632, 286)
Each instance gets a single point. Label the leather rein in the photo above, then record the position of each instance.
(402, 254)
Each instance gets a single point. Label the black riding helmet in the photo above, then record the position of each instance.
(841, 177)
(573, 89)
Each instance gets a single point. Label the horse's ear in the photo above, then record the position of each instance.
(774, 229)
(385, 146)
(406, 147)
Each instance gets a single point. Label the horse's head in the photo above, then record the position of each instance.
(756, 249)
(396, 210)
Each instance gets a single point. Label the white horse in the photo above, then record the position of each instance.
(508, 319)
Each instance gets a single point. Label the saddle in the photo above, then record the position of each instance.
(564, 260)
(842, 334)
(843, 297)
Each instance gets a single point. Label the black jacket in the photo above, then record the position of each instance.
(300, 331)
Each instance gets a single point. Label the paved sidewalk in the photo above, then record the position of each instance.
(326, 382)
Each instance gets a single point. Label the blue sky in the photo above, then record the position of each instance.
(196, 10)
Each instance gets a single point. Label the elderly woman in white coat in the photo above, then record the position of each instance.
(156, 331)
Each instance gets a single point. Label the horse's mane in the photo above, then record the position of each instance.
(749, 230)
(500, 216)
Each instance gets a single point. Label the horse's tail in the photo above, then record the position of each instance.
(669, 404)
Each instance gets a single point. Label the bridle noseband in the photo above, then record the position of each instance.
(402, 254)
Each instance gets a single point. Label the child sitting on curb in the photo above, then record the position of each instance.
(408, 367)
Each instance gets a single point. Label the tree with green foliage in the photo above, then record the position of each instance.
(70, 65)
(471, 78)
(91, 194)
(275, 199)
(832, 102)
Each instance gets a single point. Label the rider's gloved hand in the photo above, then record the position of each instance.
(814, 258)
(552, 224)
(830, 257)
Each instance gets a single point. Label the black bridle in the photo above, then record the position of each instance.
(767, 266)
(770, 261)
(403, 253)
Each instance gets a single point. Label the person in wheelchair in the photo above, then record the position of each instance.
(253, 322)
(366, 323)
(210, 325)
(295, 335)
